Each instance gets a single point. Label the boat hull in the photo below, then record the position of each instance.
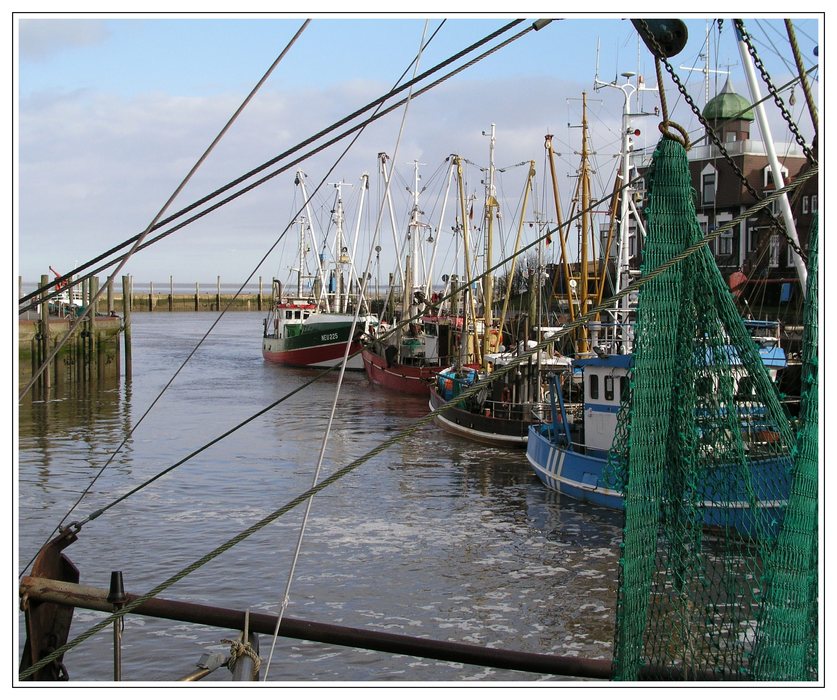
(406, 379)
(582, 476)
(322, 345)
(487, 429)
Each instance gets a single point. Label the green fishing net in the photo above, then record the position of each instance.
(717, 576)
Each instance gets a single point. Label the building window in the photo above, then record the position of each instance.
(725, 243)
(603, 234)
(708, 188)
(774, 250)
(768, 176)
(752, 237)
(805, 209)
(790, 261)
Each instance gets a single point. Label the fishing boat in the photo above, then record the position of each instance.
(298, 333)
(570, 453)
(424, 333)
(69, 301)
(502, 412)
(313, 330)
(512, 401)
(732, 431)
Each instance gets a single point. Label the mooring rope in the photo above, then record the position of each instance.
(309, 504)
(200, 342)
(240, 649)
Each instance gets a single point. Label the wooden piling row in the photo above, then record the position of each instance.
(91, 353)
(155, 301)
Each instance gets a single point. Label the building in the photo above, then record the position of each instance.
(756, 255)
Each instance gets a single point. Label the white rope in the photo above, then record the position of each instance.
(310, 501)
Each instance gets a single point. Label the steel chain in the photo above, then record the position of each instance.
(751, 49)
(711, 133)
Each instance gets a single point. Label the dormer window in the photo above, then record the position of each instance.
(768, 176)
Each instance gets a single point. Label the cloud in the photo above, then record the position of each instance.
(42, 39)
(96, 167)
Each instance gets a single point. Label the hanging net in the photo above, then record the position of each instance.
(719, 555)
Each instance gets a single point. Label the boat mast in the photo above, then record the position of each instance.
(775, 166)
(706, 70)
(411, 274)
(364, 185)
(341, 256)
(414, 235)
(429, 280)
(322, 299)
(466, 244)
(584, 174)
(527, 189)
(301, 268)
(623, 311)
(488, 279)
(565, 262)
(383, 159)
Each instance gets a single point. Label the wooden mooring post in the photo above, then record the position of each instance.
(42, 337)
(126, 322)
(161, 296)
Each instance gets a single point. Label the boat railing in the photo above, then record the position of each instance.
(536, 412)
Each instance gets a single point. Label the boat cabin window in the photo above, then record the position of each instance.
(594, 386)
(608, 388)
(289, 314)
(746, 387)
(624, 388)
(704, 386)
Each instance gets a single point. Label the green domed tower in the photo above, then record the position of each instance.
(729, 114)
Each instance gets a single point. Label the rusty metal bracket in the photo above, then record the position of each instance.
(48, 623)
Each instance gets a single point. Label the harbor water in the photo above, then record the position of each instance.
(434, 537)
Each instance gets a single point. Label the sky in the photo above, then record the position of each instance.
(112, 112)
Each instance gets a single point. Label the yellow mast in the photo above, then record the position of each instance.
(602, 274)
(510, 280)
(466, 245)
(565, 263)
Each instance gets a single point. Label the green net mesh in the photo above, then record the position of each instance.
(715, 538)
